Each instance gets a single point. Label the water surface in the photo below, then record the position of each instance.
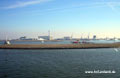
(60, 42)
(59, 63)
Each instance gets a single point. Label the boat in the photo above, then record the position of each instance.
(76, 42)
(7, 42)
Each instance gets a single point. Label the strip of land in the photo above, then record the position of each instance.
(59, 46)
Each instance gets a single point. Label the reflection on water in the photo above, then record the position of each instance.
(59, 63)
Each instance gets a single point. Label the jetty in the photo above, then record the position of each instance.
(59, 46)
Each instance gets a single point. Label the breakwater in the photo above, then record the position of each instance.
(59, 46)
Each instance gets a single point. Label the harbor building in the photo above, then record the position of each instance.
(94, 37)
(49, 37)
(45, 37)
(67, 38)
(25, 38)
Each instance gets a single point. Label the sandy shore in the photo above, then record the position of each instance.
(59, 46)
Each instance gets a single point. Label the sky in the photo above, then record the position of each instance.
(33, 18)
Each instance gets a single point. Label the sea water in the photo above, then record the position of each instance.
(59, 63)
(59, 42)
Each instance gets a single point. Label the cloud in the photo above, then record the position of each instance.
(113, 6)
(77, 6)
(26, 3)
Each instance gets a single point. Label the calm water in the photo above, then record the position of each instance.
(64, 63)
(58, 42)
(38, 42)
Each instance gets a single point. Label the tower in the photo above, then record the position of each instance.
(88, 36)
(71, 36)
(49, 34)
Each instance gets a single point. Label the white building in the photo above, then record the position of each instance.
(45, 37)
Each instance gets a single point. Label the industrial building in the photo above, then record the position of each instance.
(25, 38)
(45, 37)
(94, 37)
(67, 38)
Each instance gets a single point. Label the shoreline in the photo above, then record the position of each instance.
(59, 46)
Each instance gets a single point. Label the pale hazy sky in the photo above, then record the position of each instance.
(63, 17)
